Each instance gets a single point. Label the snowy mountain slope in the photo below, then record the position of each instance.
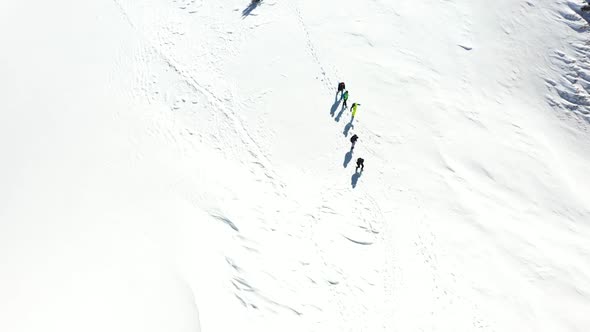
(176, 164)
(572, 63)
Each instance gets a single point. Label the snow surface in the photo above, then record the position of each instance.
(183, 165)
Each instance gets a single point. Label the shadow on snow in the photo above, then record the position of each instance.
(348, 127)
(355, 178)
(347, 158)
(340, 113)
(248, 10)
(335, 107)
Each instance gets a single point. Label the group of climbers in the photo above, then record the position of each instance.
(344, 96)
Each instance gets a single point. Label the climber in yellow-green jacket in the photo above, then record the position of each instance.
(353, 108)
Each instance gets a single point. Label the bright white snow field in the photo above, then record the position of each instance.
(183, 165)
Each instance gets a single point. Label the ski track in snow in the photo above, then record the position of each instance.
(200, 99)
(365, 233)
(218, 111)
(221, 126)
(194, 98)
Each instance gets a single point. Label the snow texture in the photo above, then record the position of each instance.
(185, 165)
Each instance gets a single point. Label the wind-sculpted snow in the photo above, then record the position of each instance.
(574, 86)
